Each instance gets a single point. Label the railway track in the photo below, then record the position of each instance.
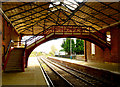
(75, 77)
(54, 78)
(84, 76)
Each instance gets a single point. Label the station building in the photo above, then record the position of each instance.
(97, 23)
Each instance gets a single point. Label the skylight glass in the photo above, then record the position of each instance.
(69, 4)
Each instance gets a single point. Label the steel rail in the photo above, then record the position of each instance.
(74, 75)
(45, 73)
(70, 84)
(81, 72)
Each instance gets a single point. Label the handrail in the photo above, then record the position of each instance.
(71, 25)
(4, 58)
(7, 57)
(7, 51)
(7, 54)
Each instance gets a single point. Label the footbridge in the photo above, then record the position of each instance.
(24, 48)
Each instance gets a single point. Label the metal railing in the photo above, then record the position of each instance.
(6, 53)
(67, 29)
(19, 44)
(13, 44)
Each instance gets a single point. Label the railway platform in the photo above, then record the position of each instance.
(110, 67)
(110, 71)
(32, 77)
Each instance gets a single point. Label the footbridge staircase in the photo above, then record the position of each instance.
(18, 51)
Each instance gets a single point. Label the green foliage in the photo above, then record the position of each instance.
(61, 50)
(77, 48)
(66, 45)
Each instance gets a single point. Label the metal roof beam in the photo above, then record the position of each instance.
(100, 12)
(30, 15)
(94, 17)
(26, 29)
(33, 18)
(16, 7)
(28, 23)
(54, 20)
(27, 10)
(92, 28)
(67, 16)
(108, 6)
(29, 20)
(50, 11)
(54, 13)
(72, 14)
(36, 22)
(87, 20)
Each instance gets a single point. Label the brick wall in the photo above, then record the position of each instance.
(106, 55)
(8, 33)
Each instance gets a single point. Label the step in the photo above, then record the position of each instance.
(10, 70)
(14, 66)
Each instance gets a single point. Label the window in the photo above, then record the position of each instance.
(108, 36)
(92, 48)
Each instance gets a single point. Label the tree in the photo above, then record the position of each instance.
(66, 46)
(53, 50)
(79, 46)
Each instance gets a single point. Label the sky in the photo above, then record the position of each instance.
(46, 47)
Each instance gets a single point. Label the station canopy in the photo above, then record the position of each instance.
(30, 18)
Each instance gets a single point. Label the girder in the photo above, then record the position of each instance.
(85, 13)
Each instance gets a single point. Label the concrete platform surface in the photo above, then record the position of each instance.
(111, 67)
(32, 76)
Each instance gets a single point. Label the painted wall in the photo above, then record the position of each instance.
(106, 55)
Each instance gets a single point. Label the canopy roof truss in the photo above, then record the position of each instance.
(30, 18)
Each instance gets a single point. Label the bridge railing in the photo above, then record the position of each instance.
(18, 44)
(67, 29)
(33, 40)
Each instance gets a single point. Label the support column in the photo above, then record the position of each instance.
(85, 51)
